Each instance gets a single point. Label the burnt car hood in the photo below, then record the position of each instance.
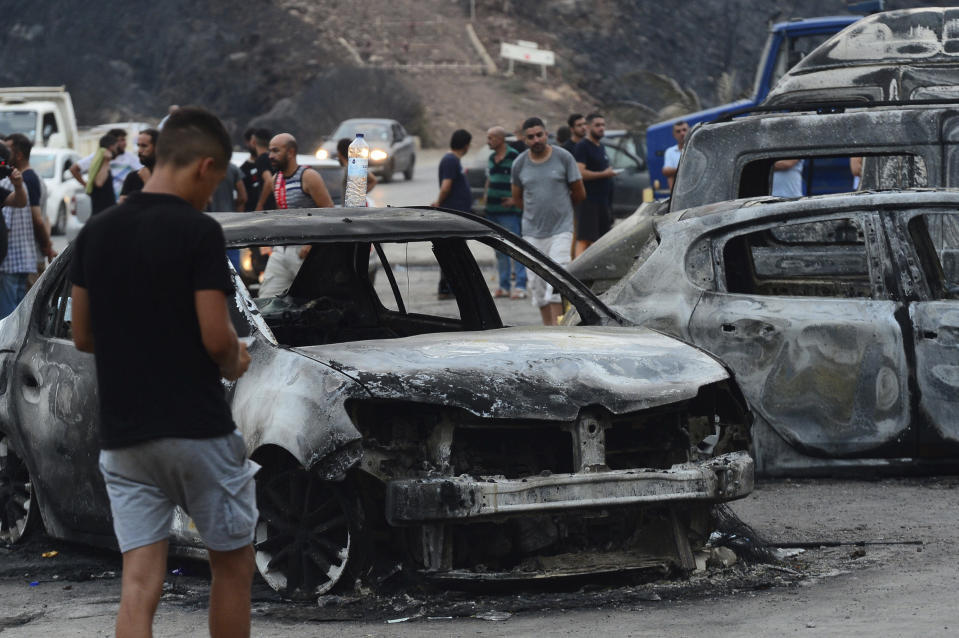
(528, 373)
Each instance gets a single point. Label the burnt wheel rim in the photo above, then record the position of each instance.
(303, 537)
(16, 495)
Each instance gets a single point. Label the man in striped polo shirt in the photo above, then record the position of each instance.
(501, 210)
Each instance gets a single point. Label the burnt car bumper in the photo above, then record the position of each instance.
(419, 501)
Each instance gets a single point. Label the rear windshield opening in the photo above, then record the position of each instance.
(803, 176)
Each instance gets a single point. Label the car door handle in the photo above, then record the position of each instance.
(30, 383)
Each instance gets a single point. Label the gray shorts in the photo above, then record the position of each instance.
(211, 479)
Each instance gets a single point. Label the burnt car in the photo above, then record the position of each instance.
(838, 315)
(392, 149)
(905, 55)
(394, 429)
(904, 146)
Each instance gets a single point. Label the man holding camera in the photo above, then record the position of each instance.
(26, 227)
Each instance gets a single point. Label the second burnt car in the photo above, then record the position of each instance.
(909, 145)
(396, 430)
(839, 316)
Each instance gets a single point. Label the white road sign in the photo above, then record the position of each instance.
(527, 54)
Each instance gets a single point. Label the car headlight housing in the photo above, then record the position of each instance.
(322, 154)
(377, 155)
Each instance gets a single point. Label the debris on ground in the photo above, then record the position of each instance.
(494, 615)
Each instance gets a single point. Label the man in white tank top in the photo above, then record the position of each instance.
(294, 186)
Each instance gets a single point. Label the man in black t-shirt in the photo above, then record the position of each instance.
(150, 288)
(594, 216)
(146, 153)
(257, 171)
(454, 189)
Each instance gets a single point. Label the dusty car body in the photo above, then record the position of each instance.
(838, 315)
(909, 146)
(896, 55)
(446, 442)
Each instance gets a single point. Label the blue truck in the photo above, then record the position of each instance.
(788, 42)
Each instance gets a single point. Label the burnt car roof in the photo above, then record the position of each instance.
(908, 198)
(337, 224)
(910, 54)
(930, 34)
(903, 129)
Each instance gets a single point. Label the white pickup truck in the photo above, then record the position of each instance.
(43, 113)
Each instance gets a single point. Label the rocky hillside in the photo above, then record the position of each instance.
(303, 65)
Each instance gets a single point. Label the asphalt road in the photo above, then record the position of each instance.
(882, 589)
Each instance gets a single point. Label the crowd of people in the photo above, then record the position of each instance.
(558, 197)
(550, 194)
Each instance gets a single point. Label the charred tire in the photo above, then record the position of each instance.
(60, 224)
(408, 173)
(19, 514)
(387, 175)
(311, 537)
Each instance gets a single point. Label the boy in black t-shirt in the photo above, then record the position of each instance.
(150, 286)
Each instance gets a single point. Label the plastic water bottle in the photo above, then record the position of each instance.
(357, 165)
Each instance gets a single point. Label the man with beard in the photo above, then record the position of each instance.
(146, 153)
(545, 184)
(577, 131)
(594, 216)
(294, 186)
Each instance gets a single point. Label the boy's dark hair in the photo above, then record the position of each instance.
(4, 155)
(593, 116)
(460, 139)
(192, 133)
(343, 146)
(21, 143)
(108, 140)
(572, 119)
(248, 133)
(563, 134)
(117, 132)
(153, 133)
(531, 122)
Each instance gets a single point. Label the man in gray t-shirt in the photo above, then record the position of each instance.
(547, 181)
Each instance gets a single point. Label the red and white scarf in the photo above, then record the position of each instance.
(279, 189)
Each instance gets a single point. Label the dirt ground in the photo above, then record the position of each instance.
(883, 588)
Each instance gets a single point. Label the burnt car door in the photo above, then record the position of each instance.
(802, 314)
(54, 397)
(932, 262)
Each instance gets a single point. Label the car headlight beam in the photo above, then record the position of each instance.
(378, 155)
